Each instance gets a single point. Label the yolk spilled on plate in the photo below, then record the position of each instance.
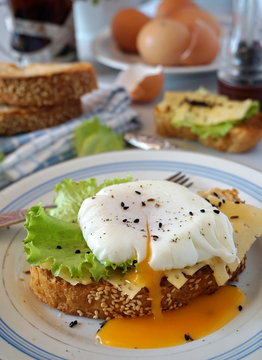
(202, 316)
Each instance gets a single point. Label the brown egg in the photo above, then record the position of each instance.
(168, 7)
(204, 45)
(162, 41)
(125, 27)
(188, 16)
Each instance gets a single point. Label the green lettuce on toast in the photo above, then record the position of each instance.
(55, 241)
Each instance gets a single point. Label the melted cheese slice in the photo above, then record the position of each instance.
(218, 108)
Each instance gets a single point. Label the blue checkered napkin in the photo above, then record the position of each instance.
(30, 152)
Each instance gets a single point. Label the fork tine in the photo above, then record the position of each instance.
(173, 177)
(180, 179)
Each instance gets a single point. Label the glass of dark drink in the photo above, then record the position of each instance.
(42, 30)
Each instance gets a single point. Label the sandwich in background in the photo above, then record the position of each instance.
(213, 120)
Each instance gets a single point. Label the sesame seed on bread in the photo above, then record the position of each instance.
(16, 120)
(45, 84)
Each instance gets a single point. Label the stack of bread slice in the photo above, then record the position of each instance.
(42, 95)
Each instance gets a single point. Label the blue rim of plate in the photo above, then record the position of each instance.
(238, 352)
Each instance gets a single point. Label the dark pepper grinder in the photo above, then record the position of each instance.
(240, 77)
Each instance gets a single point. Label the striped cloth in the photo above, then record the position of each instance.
(30, 152)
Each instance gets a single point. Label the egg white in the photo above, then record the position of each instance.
(183, 227)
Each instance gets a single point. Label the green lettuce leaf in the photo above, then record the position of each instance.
(91, 137)
(218, 130)
(56, 242)
(70, 195)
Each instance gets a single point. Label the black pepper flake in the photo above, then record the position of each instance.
(223, 201)
(216, 211)
(234, 217)
(73, 323)
(126, 207)
(136, 221)
(77, 251)
(240, 307)
(188, 337)
(59, 247)
(219, 204)
(190, 213)
(138, 192)
(160, 225)
(134, 262)
(150, 199)
(202, 210)
(143, 203)
(122, 204)
(87, 252)
(214, 193)
(207, 200)
(237, 202)
(155, 237)
(125, 220)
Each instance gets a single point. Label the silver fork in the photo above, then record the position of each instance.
(17, 216)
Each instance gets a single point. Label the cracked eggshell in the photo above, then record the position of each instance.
(187, 17)
(203, 47)
(143, 83)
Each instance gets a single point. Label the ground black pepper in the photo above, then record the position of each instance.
(73, 323)
(188, 337)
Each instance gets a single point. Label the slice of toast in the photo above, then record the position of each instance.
(240, 138)
(45, 84)
(16, 120)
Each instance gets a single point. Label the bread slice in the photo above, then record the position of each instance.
(240, 138)
(45, 84)
(16, 120)
(103, 300)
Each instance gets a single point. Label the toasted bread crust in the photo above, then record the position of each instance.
(45, 84)
(101, 300)
(240, 138)
(18, 120)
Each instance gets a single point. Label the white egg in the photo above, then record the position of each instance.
(183, 227)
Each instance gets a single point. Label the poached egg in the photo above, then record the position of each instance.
(183, 228)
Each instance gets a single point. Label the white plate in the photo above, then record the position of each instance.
(106, 52)
(32, 330)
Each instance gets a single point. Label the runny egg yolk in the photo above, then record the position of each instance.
(201, 317)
